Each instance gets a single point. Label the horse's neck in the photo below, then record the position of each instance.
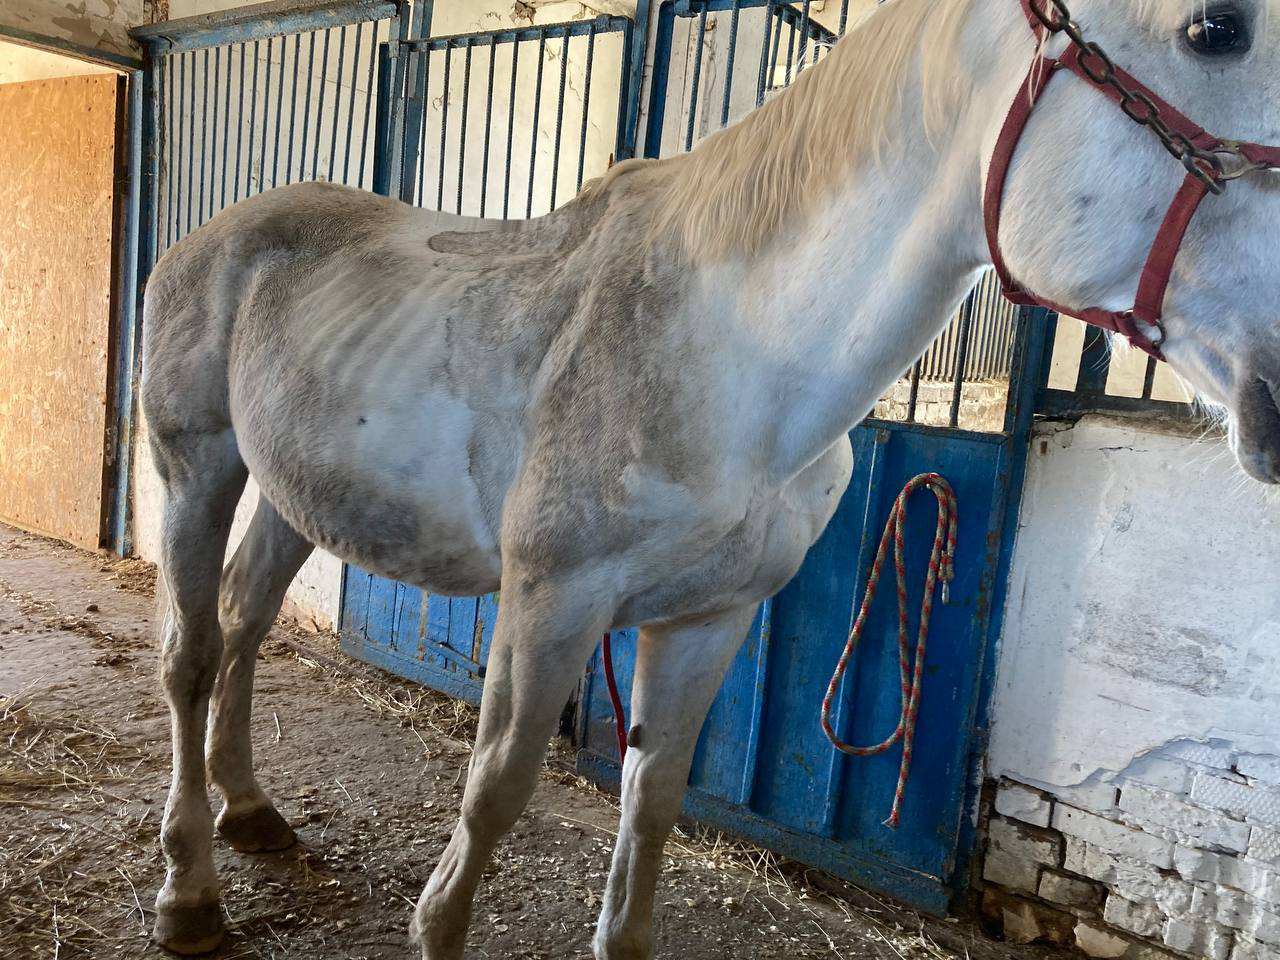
(832, 311)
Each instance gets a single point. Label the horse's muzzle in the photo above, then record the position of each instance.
(1256, 430)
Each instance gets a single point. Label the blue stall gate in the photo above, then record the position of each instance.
(510, 123)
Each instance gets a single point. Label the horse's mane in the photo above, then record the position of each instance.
(730, 193)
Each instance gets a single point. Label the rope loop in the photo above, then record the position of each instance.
(941, 568)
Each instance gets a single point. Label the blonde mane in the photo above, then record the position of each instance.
(739, 185)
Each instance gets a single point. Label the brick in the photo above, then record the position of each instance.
(1249, 949)
(1012, 872)
(1247, 875)
(1237, 911)
(1025, 842)
(1256, 803)
(1024, 921)
(1155, 771)
(1132, 879)
(1019, 802)
(1070, 891)
(1174, 813)
(1100, 943)
(1264, 845)
(1113, 837)
(1198, 938)
(1264, 769)
(1142, 919)
(1204, 754)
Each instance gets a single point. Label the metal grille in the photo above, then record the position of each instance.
(511, 123)
(261, 110)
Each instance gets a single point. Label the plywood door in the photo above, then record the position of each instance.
(57, 162)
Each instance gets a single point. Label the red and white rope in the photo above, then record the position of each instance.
(941, 568)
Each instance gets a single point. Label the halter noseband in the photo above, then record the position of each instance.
(1203, 155)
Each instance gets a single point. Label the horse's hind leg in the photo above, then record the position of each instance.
(203, 477)
(678, 671)
(253, 588)
(543, 638)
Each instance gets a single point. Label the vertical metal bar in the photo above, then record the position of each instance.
(695, 82)
(235, 178)
(266, 119)
(306, 107)
(804, 37)
(1149, 379)
(511, 127)
(204, 132)
(184, 198)
(763, 80)
(337, 100)
(586, 106)
(844, 16)
(351, 107)
(170, 172)
(537, 108)
(791, 50)
(383, 145)
(275, 150)
(424, 76)
(913, 399)
(293, 107)
(962, 356)
(324, 79)
(444, 123)
(253, 120)
(368, 98)
(488, 125)
(1095, 363)
(462, 134)
(555, 154)
(777, 45)
(728, 69)
(217, 81)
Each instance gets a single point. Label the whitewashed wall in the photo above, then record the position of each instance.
(1136, 720)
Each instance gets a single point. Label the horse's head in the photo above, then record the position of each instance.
(1088, 190)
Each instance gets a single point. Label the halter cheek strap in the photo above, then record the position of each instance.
(1142, 324)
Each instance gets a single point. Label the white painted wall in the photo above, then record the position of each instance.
(1144, 606)
(19, 64)
(92, 24)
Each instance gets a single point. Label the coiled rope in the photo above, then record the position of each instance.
(941, 568)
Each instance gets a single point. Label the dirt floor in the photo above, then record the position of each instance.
(370, 771)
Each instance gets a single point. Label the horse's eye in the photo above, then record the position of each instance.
(1217, 33)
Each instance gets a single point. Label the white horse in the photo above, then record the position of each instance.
(635, 410)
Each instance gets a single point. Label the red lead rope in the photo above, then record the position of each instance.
(619, 717)
(941, 567)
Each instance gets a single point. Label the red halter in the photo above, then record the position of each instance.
(1203, 156)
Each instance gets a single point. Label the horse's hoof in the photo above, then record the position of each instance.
(189, 930)
(260, 830)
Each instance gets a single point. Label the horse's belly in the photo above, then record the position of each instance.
(409, 493)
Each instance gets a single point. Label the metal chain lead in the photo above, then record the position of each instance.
(1206, 165)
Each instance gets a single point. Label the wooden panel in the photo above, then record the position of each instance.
(57, 160)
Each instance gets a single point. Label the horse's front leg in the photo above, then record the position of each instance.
(544, 635)
(678, 671)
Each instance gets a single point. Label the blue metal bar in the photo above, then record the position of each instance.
(729, 63)
(488, 129)
(462, 134)
(962, 354)
(635, 49)
(661, 73)
(184, 198)
(511, 128)
(337, 101)
(324, 79)
(213, 147)
(368, 99)
(171, 170)
(204, 133)
(264, 21)
(306, 107)
(293, 106)
(555, 154)
(444, 126)
(767, 61)
(791, 49)
(751, 763)
(382, 145)
(696, 80)
(253, 123)
(351, 107)
(275, 152)
(424, 74)
(804, 37)
(550, 31)
(844, 16)
(586, 108)
(537, 108)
